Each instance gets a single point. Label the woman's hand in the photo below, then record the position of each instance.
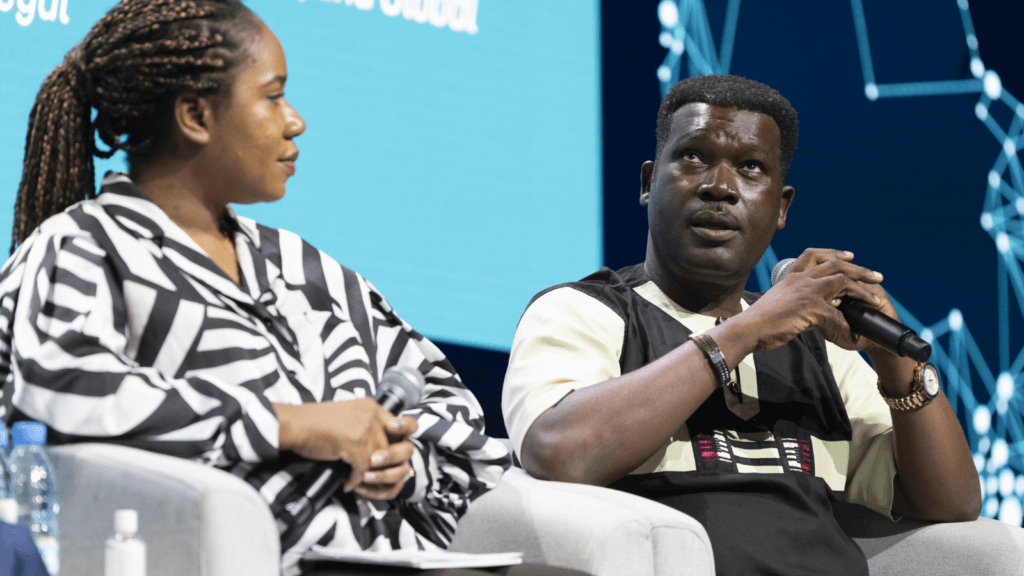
(390, 467)
(353, 431)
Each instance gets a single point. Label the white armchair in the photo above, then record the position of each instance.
(202, 521)
(194, 519)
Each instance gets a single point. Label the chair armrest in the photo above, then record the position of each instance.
(908, 547)
(598, 530)
(194, 519)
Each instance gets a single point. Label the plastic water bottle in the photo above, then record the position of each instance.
(125, 553)
(8, 506)
(5, 486)
(35, 489)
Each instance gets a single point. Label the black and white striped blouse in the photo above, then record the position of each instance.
(115, 326)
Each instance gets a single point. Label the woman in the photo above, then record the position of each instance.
(151, 315)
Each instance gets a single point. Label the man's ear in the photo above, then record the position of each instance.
(192, 118)
(646, 173)
(788, 192)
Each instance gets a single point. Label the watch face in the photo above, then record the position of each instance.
(930, 380)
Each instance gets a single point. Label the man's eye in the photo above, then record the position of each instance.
(276, 96)
(690, 155)
(754, 166)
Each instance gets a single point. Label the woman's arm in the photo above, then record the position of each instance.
(69, 337)
(454, 460)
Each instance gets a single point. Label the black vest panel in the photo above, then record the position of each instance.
(758, 523)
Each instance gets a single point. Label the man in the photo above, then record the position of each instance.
(753, 425)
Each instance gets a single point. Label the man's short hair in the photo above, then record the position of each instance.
(738, 93)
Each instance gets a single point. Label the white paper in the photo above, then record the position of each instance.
(422, 559)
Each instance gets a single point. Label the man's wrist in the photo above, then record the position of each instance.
(707, 345)
(738, 337)
(896, 373)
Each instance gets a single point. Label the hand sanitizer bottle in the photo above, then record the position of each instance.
(125, 553)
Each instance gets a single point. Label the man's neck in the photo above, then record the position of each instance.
(700, 297)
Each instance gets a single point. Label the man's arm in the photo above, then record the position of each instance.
(600, 433)
(936, 479)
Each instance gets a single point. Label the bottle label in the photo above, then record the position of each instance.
(125, 558)
(49, 549)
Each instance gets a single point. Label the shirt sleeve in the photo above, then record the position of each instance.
(65, 325)
(566, 340)
(872, 455)
(454, 460)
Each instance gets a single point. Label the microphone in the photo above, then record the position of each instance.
(400, 388)
(872, 324)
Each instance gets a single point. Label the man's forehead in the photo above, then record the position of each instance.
(699, 118)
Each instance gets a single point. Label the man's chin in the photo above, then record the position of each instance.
(711, 264)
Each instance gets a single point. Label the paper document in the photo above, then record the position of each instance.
(422, 559)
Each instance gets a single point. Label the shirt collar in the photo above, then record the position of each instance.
(652, 293)
(137, 213)
(140, 217)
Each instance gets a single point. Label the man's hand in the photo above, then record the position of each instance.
(352, 431)
(808, 295)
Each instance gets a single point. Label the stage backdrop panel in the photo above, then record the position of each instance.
(452, 150)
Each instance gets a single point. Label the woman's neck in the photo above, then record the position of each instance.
(194, 208)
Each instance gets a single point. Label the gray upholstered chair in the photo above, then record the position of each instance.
(202, 521)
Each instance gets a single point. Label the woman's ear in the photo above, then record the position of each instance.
(193, 116)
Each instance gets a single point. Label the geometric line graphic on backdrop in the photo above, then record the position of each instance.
(994, 423)
(993, 420)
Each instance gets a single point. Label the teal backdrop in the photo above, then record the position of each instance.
(452, 150)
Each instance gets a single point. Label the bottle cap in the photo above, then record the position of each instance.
(9, 510)
(29, 433)
(126, 522)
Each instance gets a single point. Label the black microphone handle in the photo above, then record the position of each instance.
(884, 331)
(323, 480)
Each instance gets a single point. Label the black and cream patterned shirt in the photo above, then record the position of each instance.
(758, 468)
(115, 326)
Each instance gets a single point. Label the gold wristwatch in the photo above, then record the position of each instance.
(924, 388)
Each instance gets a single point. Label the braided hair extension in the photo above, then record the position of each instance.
(131, 67)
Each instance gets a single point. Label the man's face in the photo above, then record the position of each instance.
(715, 195)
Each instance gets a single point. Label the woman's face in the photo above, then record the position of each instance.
(251, 149)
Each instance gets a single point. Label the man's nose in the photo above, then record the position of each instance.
(719, 184)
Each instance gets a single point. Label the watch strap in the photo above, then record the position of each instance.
(917, 397)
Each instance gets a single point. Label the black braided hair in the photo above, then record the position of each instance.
(130, 68)
(734, 92)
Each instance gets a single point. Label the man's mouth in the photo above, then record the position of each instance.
(715, 221)
(713, 226)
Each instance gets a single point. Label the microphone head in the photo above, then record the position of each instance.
(404, 382)
(781, 269)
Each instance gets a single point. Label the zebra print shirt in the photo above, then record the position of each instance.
(115, 326)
